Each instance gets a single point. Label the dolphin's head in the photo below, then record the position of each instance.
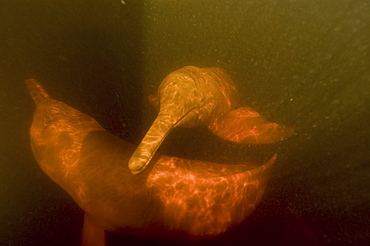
(192, 96)
(188, 97)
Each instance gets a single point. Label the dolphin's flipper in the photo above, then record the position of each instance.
(243, 125)
(92, 235)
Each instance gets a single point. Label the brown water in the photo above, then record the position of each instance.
(301, 63)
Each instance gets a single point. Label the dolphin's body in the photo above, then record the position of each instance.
(191, 97)
(174, 200)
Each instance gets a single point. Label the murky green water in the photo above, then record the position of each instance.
(301, 63)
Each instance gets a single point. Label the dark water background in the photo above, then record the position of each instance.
(303, 63)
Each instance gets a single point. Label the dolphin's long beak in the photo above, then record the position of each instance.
(160, 128)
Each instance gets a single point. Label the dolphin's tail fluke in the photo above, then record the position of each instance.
(36, 90)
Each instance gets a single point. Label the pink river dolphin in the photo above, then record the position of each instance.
(191, 97)
(175, 200)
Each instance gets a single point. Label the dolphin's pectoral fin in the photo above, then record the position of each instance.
(91, 234)
(243, 125)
